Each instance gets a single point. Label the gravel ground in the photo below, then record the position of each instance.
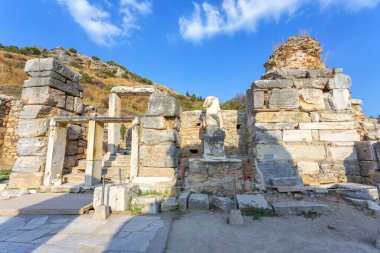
(347, 228)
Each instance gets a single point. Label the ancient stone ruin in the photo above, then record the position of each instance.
(301, 127)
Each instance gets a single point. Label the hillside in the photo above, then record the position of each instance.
(98, 77)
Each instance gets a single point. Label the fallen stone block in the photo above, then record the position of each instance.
(249, 202)
(199, 201)
(299, 207)
(148, 204)
(290, 189)
(223, 204)
(358, 191)
(169, 204)
(117, 197)
(183, 199)
(371, 205)
(286, 181)
(101, 213)
(235, 218)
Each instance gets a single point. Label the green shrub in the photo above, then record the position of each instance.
(86, 78)
(4, 175)
(73, 50)
(123, 130)
(30, 51)
(12, 49)
(104, 73)
(75, 64)
(95, 58)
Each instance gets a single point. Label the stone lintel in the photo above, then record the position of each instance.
(133, 91)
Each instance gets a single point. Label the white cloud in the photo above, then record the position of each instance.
(231, 16)
(97, 22)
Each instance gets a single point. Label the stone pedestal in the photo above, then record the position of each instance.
(214, 144)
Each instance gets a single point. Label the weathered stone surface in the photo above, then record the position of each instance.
(71, 148)
(43, 96)
(276, 169)
(155, 137)
(35, 146)
(73, 132)
(199, 201)
(117, 197)
(223, 204)
(282, 117)
(367, 167)
(358, 191)
(148, 204)
(342, 153)
(29, 164)
(319, 73)
(286, 181)
(32, 127)
(183, 199)
(156, 172)
(133, 91)
(247, 202)
(70, 162)
(334, 117)
(163, 104)
(25, 180)
(236, 219)
(311, 100)
(339, 135)
(159, 156)
(52, 82)
(258, 99)
(69, 103)
(299, 207)
(284, 98)
(271, 84)
(327, 126)
(340, 81)
(308, 168)
(314, 117)
(169, 204)
(51, 64)
(285, 73)
(78, 105)
(297, 135)
(339, 99)
(290, 152)
(366, 150)
(153, 123)
(267, 136)
(35, 111)
(275, 126)
(311, 83)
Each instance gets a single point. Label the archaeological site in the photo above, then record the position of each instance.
(302, 147)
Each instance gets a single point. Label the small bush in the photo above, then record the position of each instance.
(135, 208)
(95, 58)
(30, 51)
(73, 50)
(4, 175)
(104, 73)
(75, 64)
(256, 212)
(12, 49)
(123, 130)
(86, 78)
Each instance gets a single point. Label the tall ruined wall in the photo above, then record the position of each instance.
(234, 124)
(52, 90)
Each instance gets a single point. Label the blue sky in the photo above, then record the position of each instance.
(215, 48)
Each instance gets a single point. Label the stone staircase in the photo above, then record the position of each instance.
(117, 167)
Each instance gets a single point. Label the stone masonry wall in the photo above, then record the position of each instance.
(52, 90)
(234, 124)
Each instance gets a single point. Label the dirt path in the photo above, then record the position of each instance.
(346, 229)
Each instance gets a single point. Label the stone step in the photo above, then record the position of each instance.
(120, 157)
(289, 189)
(116, 174)
(286, 181)
(299, 207)
(248, 202)
(358, 191)
(78, 169)
(124, 163)
(67, 188)
(82, 163)
(77, 178)
(154, 183)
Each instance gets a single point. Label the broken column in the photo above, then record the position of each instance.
(51, 90)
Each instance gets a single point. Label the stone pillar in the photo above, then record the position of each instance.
(114, 136)
(52, 90)
(135, 148)
(94, 153)
(55, 153)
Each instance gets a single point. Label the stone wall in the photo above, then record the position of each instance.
(9, 113)
(52, 90)
(234, 124)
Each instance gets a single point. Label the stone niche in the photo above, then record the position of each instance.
(52, 90)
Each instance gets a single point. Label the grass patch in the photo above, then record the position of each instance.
(135, 208)
(4, 175)
(257, 212)
(311, 214)
(165, 193)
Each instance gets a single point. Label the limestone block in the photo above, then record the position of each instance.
(235, 218)
(286, 181)
(53, 83)
(47, 73)
(339, 99)
(199, 201)
(43, 96)
(247, 202)
(29, 164)
(154, 137)
(163, 104)
(352, 168)
(275, 126)
(358, 191)
(308, 168)
(311, 100)
(51, 64)
(156, 172)
(24, 180)
(282, 117)
(339, 135)
(78, 105)
(366, 150)
(297, 135)
(271, 84)
(134, 91)
(153, 123)
(367, 167)
(270, 169)
(314, 117)
(159, 156)
(378, 151)
(311, 83)
(70, 103)
(318, 73)
(35, 146)
(70, 162)
(223, 204)
(285, 73)
(35, 111)
(71, 148)
(118, 197)
(373, 135)
(258, 99)
(334, 117)
(342, 153)
(327, 126)
(340, 81)
(284, 98)
(73, 132)
(148, 204)
(290, 152)
(183, 199)
(32, 127)
(169, 204)
(267, 136)
(299, 207)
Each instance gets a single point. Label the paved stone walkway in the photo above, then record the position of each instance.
(63, 233)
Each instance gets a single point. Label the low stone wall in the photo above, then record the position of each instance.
(234, 125)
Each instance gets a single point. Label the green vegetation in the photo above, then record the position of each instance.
(73, 50)
(24, 50)
(235, 103)
(165, 193)
(135, 208)
(132, 76)
(112, 63)
(95, 58)
(311, 214)
(75, 64)
(86, 78)
(123, 131)
(256, 212)
(4, 175)
(104, 73)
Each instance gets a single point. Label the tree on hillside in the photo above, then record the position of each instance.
(235, 103)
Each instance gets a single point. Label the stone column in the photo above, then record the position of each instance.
(135, 148)
(52, 90)
(114, 136)
(94, 153)
(55, 153)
